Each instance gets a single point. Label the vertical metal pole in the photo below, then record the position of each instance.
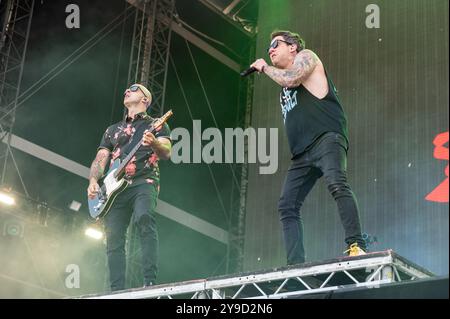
(15, 34)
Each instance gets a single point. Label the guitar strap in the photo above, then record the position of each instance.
(131, 145)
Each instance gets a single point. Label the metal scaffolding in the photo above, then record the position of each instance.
(149, 58)
(363, 272)
(16, 16)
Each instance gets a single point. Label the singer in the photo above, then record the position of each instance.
(316, 128)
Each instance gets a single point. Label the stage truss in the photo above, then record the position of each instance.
(369, 271)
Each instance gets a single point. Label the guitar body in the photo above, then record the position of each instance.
(109, 189)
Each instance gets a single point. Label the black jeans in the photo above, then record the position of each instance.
(326, 157)
(138, 202)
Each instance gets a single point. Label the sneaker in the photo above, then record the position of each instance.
(355, 250)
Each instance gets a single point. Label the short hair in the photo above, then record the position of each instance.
(146, 93)
(290, 37)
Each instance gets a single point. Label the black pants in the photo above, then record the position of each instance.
(326, 157)
(138, 202)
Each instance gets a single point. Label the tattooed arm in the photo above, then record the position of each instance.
(163, 148)
(99, 164)
(97, 169)
(304, 64)
(161, 145)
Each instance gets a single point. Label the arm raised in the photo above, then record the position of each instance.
(304, 64)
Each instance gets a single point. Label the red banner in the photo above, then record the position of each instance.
(440, 193)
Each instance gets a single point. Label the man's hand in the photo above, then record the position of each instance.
(93, 189)
(161, 146)
(149, 139)
(259, 65)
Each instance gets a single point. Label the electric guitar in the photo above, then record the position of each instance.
(114, 182)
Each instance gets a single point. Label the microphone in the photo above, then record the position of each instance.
(248, 71)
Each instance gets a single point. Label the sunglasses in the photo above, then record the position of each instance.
(275, 44)
(133, 88)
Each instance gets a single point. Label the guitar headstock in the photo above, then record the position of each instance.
(160, 121)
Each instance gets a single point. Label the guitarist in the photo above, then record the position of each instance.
(138, 201)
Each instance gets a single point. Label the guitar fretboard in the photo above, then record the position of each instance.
(155, 125)
(130, 156)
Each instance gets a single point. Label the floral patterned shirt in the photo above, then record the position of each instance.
(120, 139)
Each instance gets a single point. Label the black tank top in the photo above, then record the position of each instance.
(306, 117)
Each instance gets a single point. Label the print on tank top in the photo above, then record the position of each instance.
(288, 100)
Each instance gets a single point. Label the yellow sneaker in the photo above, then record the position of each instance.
(354, 250)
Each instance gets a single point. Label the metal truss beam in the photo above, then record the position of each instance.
(231, 6)
(149, 59)
(368, 271)
(203, 45)
(195, 40)
(16, 18)
(224, 13)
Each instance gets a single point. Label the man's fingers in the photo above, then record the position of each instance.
(148, 139)
(92, 190)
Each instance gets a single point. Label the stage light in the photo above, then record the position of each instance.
(75, 206)
(7, 199)
(93, 233)
(13, 228)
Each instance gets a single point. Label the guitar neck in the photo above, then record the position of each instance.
(155, 125)
(127, 159)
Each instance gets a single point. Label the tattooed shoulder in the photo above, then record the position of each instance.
(306, 60)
